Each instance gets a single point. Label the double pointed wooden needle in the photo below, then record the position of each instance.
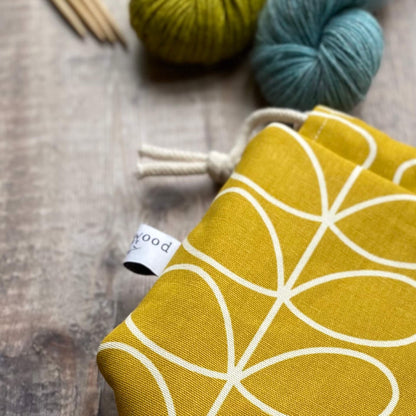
(87, 18)
(91, 14)
(109, 18)
(72, 18)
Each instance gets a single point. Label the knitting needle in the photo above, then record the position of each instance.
(88, 19)
(70, 17)
(100, 20)
(111, 22)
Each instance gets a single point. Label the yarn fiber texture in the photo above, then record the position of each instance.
(195, 31)
(316, 52)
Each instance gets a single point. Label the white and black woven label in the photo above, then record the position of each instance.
(150, 251)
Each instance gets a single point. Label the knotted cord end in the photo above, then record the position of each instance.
(218, 165)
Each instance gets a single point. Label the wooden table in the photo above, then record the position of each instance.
(72, 115)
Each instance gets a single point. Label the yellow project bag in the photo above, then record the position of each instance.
(296, 293)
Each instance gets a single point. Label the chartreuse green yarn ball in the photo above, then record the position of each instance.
(310, 52)
(195, 31)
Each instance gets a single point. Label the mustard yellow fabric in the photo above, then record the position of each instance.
(296, 293)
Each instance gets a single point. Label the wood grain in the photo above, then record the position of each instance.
(72, 115)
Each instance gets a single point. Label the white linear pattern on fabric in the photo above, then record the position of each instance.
(370, 256)
(314, 161)
(269, 225)
(170, 407)
(373, 202)
(169, 356)
(243, 282)
(323, 350)
(372, 145)
(401, 170)
(274, 201)
(285, 291)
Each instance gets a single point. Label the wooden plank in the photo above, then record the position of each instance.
(72, 115)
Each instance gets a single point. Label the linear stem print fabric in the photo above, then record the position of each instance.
(296, 293)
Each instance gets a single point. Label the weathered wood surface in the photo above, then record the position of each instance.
(72, 115)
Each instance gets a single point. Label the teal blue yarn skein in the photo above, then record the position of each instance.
(310, 52)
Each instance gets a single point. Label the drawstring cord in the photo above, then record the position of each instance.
(171, 162)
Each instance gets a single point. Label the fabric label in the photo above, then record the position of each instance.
(150, 251)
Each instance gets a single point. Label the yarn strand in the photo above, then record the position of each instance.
(173, 162)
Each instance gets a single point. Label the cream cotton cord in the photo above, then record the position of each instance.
(219, 166)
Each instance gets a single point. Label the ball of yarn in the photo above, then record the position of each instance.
(195, 31)
(310, 52)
